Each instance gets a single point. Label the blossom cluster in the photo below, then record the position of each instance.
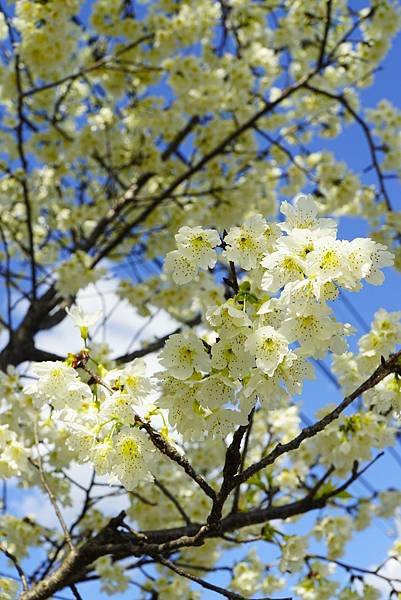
(258, 341)
(352, 368)
(254, 349)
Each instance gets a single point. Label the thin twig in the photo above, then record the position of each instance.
(205, 584)
(49, 491)
(173, 499)
(17, 566)
(389, 366)
(320, 62)
(341, 99)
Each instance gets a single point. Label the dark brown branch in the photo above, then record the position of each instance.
(233, 281)
(320, 62)
(179, 138)
(232, 464)
(168, 450)
(163, 488)
(15, 352)
(195, 168)
(389, 366)
(9, 323)
(205, 584)
(75, 592)
(17, 566)
(368, 135)
(84, 71)
(348, 567)
(20, 346)
(38, 355)
(237, 490)
(157, 344)
(121, 544)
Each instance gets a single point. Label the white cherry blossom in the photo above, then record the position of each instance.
(180, 267)
(246, 244)
(197, 245)
(184, 354)
(269, 348)
(59, 384)
(81, 318)
(131, 457)
(303, 215)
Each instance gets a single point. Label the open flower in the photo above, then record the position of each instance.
(197, 245)
(59, 384)
(82, 319)
(183, 354)
(131, 457)
(245, 245)
(269, 348)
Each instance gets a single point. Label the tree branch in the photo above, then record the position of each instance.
(49, 492)
(368, 135)
(157, 344)
(389, 366)
(205, 584)
(320, 61)
(17, 566)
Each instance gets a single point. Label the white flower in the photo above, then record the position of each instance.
(384, 336)
(389, 501)
(81, 318)
(327, 261)
(181, 268)
(76, 273)
(8, 588)
(215, 391)
(196, 244)
(132, 379)
(301, 296)
(285, 422)
(303, 215)
(100, 455)
(282, 267)
(183, 354)
(336, 531)
(59, 384)
(294, 372)
(3, 28)
(245, 245)
(219, 423)
(247, 574)
(184, 411)
(230, 354)
(195, 251)
(13, 456)
(319, 587)
(269, 348)
(131, 457)
(118, 406)
(112, 576)
(294, 550)
(314, 330)
(82, 437)
(365, 259)
(385, 396)
(228, 318)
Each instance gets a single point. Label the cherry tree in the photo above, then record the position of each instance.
(175, 154)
